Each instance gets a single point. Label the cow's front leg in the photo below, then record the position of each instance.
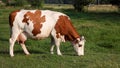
(52, 45)
(21, 39)
(24, 49)
(57, 42)
(52, 49)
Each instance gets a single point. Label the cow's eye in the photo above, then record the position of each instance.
(79, 45)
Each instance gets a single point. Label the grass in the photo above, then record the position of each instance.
(102, 49)
(101, 8)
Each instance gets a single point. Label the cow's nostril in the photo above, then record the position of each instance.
(80, 45)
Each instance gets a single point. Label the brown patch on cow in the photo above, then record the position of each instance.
(36, 18)
(65, 27)
(12, 17)
(25, 20)
(58, 36)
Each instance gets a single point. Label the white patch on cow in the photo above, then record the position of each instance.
(29, 28)
(32, 11)
(61, 37)
(26, 27)
(79, 47)
(56, 42)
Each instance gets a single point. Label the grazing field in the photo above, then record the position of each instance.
(102, 49)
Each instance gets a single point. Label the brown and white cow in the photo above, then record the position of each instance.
(39, 24)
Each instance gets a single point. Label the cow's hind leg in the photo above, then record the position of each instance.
(12, 41)
(21, 39)
(24, 49)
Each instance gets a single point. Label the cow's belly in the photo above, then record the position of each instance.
(38, 36)
(44, 33)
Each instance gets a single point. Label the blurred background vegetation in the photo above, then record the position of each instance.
(77, 4)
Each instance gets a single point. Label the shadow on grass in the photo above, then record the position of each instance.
(106, 45)
(37, 52)
(30, 51)
(4, 39)
(4, 52)
(21, 52)
(70, 54)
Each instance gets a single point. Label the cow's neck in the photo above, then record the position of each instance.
(65, 27)
(71, 35)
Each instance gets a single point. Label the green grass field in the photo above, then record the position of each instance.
(102, 49)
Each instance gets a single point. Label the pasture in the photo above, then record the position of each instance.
(102, 48)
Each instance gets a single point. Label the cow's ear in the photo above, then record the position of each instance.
(75, 41)
(82, 38)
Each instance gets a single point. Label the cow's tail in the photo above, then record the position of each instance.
(11, 19)
(10, 24)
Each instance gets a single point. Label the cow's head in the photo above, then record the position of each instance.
(78, 45)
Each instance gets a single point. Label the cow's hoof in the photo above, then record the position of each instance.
(60, 54)
(52, 52)
(12, 56)
(27, 54)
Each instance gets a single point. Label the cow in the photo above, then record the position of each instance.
(40, 24)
